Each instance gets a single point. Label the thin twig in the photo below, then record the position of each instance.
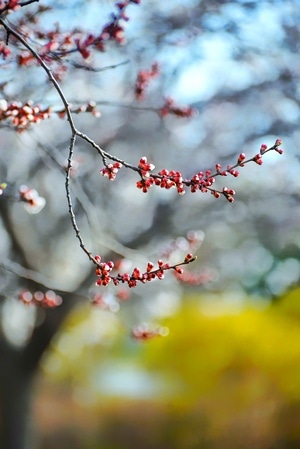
(28, 2)
(121, 105)
(69, 199)
(97, 69)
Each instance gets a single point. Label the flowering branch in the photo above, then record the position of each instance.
(22, 116)
(59, 45)
(89, 68)
(104, 269)
(203, 181)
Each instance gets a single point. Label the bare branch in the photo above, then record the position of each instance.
(28, 2)
(25, 273)
(97, 69)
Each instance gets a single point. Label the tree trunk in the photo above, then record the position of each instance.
(15, 402)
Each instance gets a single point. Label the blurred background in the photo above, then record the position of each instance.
(224, 377)
(228, 373)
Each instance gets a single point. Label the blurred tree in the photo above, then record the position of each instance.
(235, 63)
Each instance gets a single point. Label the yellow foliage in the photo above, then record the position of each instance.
(230, 375)
(205, 351)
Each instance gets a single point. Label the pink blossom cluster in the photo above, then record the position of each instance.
(143, 80)
(202, 181)
(145, 167)
(33, 202)
(59, 44)
(10, 5)
(104, 272)
(4, 50)
(145, 331)
(22, 115)
(111, 170)
(264, 148)
(89, 107)
(48, 299)
(114, 30)
(169, 108)
(165, 179)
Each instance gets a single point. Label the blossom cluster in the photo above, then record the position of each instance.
(202, 181)
(22, 115)
(143, 79)
(10, 5)
(167, 179)
(89, 107)
(111, 170)
(33, 202)
(170, 108)
(145, 331)
(55, 44)
(4, 50)
(114, 30)
(48, 299)
(59, 44)
(105, 276)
